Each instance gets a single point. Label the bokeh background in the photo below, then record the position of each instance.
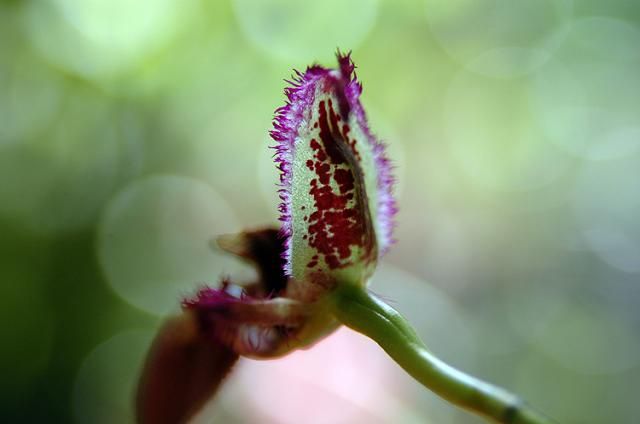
(133, 132)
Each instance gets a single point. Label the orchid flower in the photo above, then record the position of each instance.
(336, 218)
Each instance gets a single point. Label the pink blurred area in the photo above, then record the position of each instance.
(346, 378)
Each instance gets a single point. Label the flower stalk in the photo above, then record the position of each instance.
(363, 312)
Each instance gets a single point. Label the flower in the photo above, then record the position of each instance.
(337, 219)
(337, 207)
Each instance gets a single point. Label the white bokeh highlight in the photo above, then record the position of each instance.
(155, 238)
(494, 137)
(499, 38)
(59, 182)
(101, 38)
(305, 31)
(587, 97)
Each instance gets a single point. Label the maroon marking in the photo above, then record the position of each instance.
(344, 180)
(334, 228)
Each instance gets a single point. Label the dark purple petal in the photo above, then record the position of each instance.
(183, 369)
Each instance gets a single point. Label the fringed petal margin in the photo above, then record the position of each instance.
(336, 181)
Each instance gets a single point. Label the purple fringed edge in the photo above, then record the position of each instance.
(287, 119)
(300, 95)
(207, 296)
(387, 206)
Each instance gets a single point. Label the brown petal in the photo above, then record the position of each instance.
(264, 248)
(183, 369)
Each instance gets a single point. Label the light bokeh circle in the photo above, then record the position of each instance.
(104, 389)
(495, 138)
(607, 206)
(587, 97)
(499, 38)
(59, 182)
(305, 31)
(155, 238)
(99, 38)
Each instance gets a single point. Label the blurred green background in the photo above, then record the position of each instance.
(133, 132)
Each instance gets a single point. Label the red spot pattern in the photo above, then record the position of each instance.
(335, 226)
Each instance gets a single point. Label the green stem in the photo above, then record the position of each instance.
(362, 311)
